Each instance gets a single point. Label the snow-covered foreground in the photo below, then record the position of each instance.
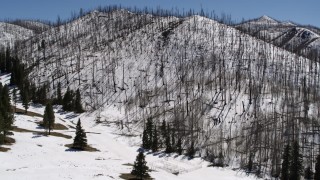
(35, 156)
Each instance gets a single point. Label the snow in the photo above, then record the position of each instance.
(10, 33)
(35, 156)
(86, 53)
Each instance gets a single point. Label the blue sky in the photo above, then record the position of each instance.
(300, 11)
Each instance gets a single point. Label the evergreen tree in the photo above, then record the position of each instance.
(308, 173)
(48, 117)
(140, 167)
(286, 163)
(25, 100)
(191, 150)
(173, 141)
(145, 140)
(80, 140)
(296, 167)
(149, 130)
(317, 169)
(155, 140)
(168, 141)
(1, 129)
(6, 116)
(163, 130)
(59, 95)
(179, 146)
(250, 163)
(78, 106)
(220, 162)
(15, 98)
(67, 102)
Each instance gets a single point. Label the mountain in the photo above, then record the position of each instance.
(303, 40)
(36, 26)
(19, 30)
(10, 33)
(229, 96)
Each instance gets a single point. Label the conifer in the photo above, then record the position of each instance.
(80, 140)
(140, 168)
(286, 163)
(48, 117)
(317, 169)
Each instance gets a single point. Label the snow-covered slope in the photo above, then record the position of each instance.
(215, 85)
(36, 26)
(35, 155)
(295, 38)
(10, 33)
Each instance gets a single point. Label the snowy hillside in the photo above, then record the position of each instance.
(298, 39)
(10, 33)
(36, 156)
(220, 90)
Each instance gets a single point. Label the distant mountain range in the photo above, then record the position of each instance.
(304, 40)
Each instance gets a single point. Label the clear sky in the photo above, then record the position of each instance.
(300, 11)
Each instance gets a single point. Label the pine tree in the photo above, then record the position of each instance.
(296, 167)
(48, 117)
(155, 140)
(308, 173)
(168, 141)
(1, 129)
(80, 140)
(15, 98)
(59, 95)
(173, 141)
(250, 163)
(191, 150)
(25, 99)
(145, 140)
(149, 130)
(140, 167)
(6, 118)
(163, 130)
(317, 169)
(286, 163)
(78, 106)
(67, 102)
(179, 146)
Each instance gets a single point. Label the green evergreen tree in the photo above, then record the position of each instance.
(286, 163)
(78, 106)
(145, 140)
(80, 140)
(168, 141)
(25, 100)
(48, 117)
(179, 146)
(140, 168)
(59, 95)
(6, 116)
(2, 136)
(317, 169)
(67, 102)
(220, 162)
(155, 140)
(149, 129)
(296, 167)
(173, 140)
(308, 173)
(163, 130)
(14, 98)
(191, 150)
(250, 163)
